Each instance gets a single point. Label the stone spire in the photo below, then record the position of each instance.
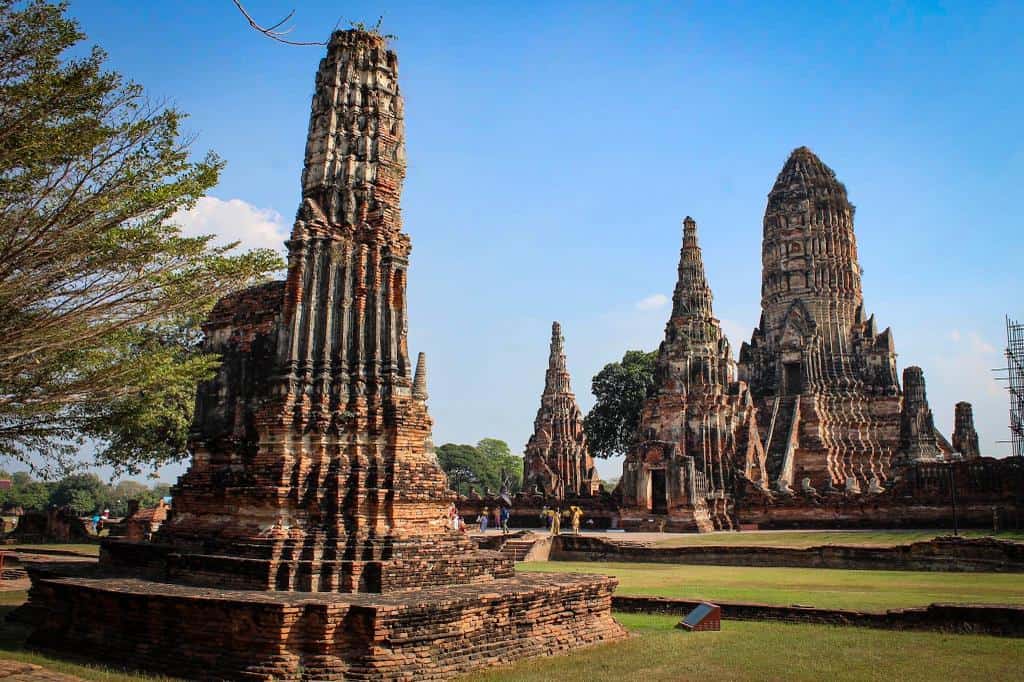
(811, 300)
(557, 460)
(965, 437)
(695, 351)
(697, 427)
(556, 381)
(419, 382)
(329, 443)
(917, 426)
(345, 342)
(355, 149)
(692, 296)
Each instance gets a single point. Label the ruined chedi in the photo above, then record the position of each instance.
(823, 376)
(309, 538)
(965, 437)
(699, 427)
(557, 462)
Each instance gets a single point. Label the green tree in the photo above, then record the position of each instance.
(463, 465)
(26, 492)
(619, 389)
(500, 461)
(100, 293)
(84, 493)
(480, 467)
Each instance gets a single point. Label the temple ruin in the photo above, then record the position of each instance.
(557, 463)
(309, 539)
(812, 426)
(699, 428)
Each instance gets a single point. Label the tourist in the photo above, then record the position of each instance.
(556, 521)
(482, 519)
(453, 516)
(496, 517)
(575, 514)
(461, 523)
(505, 514)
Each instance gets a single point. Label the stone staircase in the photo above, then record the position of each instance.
(518, 548)
(779, 434)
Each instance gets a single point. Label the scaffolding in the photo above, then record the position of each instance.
(1015, 384)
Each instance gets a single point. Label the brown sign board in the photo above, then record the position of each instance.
(705, 617)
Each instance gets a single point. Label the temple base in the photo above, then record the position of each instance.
(210, 634)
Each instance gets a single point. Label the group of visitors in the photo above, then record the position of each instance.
(499, 516)
(553, 518)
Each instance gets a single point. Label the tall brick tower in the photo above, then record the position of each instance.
(310, 538)
(700, 424)
(825, 378)
(557, 461)
(316, 463)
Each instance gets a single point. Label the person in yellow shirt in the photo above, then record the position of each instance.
(575, 514)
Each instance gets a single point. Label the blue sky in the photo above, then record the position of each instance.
(554, 149)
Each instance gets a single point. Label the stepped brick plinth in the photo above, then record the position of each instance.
(309, 538)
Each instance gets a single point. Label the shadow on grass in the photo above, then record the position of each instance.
(12, 647)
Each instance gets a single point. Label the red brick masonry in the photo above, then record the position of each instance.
(211, 634)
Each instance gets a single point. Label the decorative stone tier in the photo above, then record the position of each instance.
(428, 634)
(287, 566)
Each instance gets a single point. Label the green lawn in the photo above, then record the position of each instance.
(798, 538)
(865, 590)
(774, 651)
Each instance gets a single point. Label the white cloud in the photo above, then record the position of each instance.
(962, 370)
(234, 220)
(652, 302)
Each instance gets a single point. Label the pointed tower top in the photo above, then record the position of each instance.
(556, 360)
(692, 296)
(419, 382)
(557, 378)
(803, 173)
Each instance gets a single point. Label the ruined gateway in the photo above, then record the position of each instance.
(812, 427)
(309, 538)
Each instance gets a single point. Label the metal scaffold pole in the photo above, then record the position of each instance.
(1013, 376)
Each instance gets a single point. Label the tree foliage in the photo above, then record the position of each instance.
(619, 389)
(84, 493)
(100, 293)
(480, 467)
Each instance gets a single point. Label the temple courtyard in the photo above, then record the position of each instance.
(743, 650)
(658, 651)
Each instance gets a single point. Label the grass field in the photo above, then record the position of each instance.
(774, 651)
(880, 538)
(864, 590)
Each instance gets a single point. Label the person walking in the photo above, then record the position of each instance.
(483, 519)
(505, 514)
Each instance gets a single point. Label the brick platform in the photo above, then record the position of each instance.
(210, 634)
